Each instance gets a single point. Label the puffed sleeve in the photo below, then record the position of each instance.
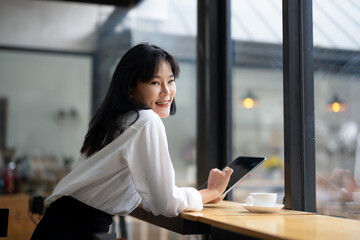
(153, 173)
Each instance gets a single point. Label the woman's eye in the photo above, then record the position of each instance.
(154, 83)
(172, 81)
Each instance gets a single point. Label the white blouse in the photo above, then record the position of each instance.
(135, 167)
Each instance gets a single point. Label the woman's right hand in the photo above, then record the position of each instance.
(216, 185)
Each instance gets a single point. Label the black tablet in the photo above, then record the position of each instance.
(242, 166)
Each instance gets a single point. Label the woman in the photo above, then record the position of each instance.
(124, 159)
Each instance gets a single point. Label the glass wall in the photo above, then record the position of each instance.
(257, 84)
(337, 105)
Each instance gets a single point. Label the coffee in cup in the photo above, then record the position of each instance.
(261, 199)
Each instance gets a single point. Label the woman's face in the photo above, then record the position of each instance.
(159, 92)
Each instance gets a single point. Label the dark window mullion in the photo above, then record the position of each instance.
(214, 139)
(299, 141)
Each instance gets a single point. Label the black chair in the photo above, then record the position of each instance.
(4, 221)
(36, 204)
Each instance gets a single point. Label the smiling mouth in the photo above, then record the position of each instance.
(163, 103)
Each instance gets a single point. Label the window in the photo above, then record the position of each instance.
(337, 105)
(257, 87)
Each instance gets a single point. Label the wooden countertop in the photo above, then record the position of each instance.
(284, 224)
(20, 226)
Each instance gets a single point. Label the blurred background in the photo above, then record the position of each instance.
(56, 59)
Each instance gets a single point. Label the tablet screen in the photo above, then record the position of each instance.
(242, 166)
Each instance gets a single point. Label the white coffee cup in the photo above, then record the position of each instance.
(261, 199)
(356, 197)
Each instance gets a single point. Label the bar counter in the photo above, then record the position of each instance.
(230, 220)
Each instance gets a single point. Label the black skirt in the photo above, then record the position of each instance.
(70, 219)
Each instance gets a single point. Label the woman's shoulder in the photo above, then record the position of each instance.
(148, 114)
(146, 117)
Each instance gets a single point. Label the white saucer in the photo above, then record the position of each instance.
(263, 209)
(354, 205)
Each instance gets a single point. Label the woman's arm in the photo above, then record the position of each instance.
(154, 177)
(152, 171)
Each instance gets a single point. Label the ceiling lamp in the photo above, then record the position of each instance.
(250, 100)
(336, 104)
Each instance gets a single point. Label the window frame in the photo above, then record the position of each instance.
(214, 113)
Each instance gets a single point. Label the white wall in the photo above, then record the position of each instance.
(37, 86)
(51, 24)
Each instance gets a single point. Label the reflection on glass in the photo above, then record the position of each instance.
(258, 114)
(337, 119)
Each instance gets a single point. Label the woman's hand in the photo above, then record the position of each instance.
(216, 185)
(344, 180)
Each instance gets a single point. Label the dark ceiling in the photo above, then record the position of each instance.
(118, 3)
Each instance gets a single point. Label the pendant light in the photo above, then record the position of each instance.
(249, 101)
(336, 104)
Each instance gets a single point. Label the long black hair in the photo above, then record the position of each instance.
(138, 64)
